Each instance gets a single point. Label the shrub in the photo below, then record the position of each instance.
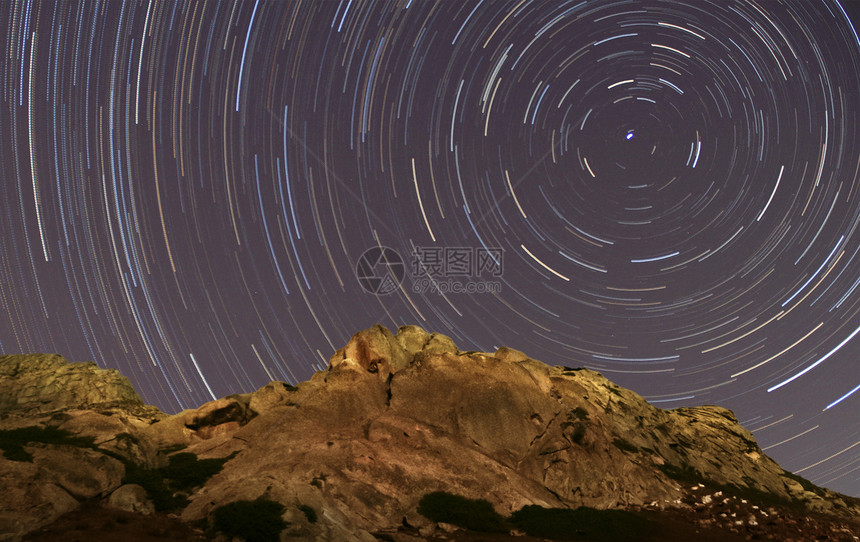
(474, 514)
(581, 524)
(253, 521)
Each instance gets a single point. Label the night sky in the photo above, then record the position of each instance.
(666, 193)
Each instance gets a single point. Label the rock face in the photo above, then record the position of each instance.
(397, 416)
(95, 407)
(45, 382)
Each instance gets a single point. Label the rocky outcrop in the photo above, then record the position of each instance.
(397, 416)
(82, 421)
(38, 383)
(400, 415)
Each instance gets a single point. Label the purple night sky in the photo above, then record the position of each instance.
(667, 192)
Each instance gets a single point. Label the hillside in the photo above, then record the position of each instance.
(351, 453)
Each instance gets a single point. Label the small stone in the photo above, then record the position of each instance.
(131, 498)
(447, 527)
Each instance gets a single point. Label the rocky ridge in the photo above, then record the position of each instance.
(350, 453)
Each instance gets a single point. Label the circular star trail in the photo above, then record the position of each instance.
(667, 192)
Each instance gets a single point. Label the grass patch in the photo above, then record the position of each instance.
(624, 446)
(253, 521)
(581, 524)
(473, 514)
(12, 441)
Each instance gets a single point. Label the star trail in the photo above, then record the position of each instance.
(667, 192)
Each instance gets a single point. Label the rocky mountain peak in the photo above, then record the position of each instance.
(47, 382)
(351, 453)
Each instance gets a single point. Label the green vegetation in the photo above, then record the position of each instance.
(474, 514)
(581, 524)
(12, 441)
(625, 446)
(310, 513)
(183, 473)
(253, 521)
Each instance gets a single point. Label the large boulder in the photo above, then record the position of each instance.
(81, 472)
(28, 505)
